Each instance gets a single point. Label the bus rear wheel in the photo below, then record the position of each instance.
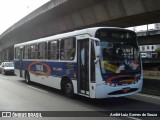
(68, 89)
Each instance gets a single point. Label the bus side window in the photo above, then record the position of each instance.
(53, 50)
(25, 52)
(34, 51)
(29, 51)
(41, 50)
(17, 53)
(68, 49)
(46, 50)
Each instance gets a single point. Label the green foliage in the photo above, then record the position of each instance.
(158, 51)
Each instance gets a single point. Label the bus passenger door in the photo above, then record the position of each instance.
(83, 66)
(20, 62)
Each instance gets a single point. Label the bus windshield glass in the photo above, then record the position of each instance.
(120, 54)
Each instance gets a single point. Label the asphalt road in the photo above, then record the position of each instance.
(16, 95)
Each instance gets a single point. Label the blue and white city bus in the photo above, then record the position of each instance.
(98, 62)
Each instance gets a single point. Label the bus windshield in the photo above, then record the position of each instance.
(120, 52)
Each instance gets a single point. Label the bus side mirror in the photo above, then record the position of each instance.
(98, 52)
(97, 59)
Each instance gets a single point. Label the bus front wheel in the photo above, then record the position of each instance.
(68, 89)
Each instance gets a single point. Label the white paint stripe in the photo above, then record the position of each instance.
(134, 118)
(150, 96)
(3, 78)
(37, 89)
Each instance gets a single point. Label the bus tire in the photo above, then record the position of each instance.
(67, 88)
(27, 78)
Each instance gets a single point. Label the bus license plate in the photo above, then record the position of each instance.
(126, 89)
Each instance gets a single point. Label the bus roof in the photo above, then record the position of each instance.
(90, 31)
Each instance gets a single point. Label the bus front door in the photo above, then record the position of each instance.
(83, 66)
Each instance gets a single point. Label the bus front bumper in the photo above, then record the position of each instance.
(106, 91)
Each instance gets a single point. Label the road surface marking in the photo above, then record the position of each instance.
(37, 89)
(150, 96)
(134, 118)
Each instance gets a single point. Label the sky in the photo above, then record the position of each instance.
(11, 11)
